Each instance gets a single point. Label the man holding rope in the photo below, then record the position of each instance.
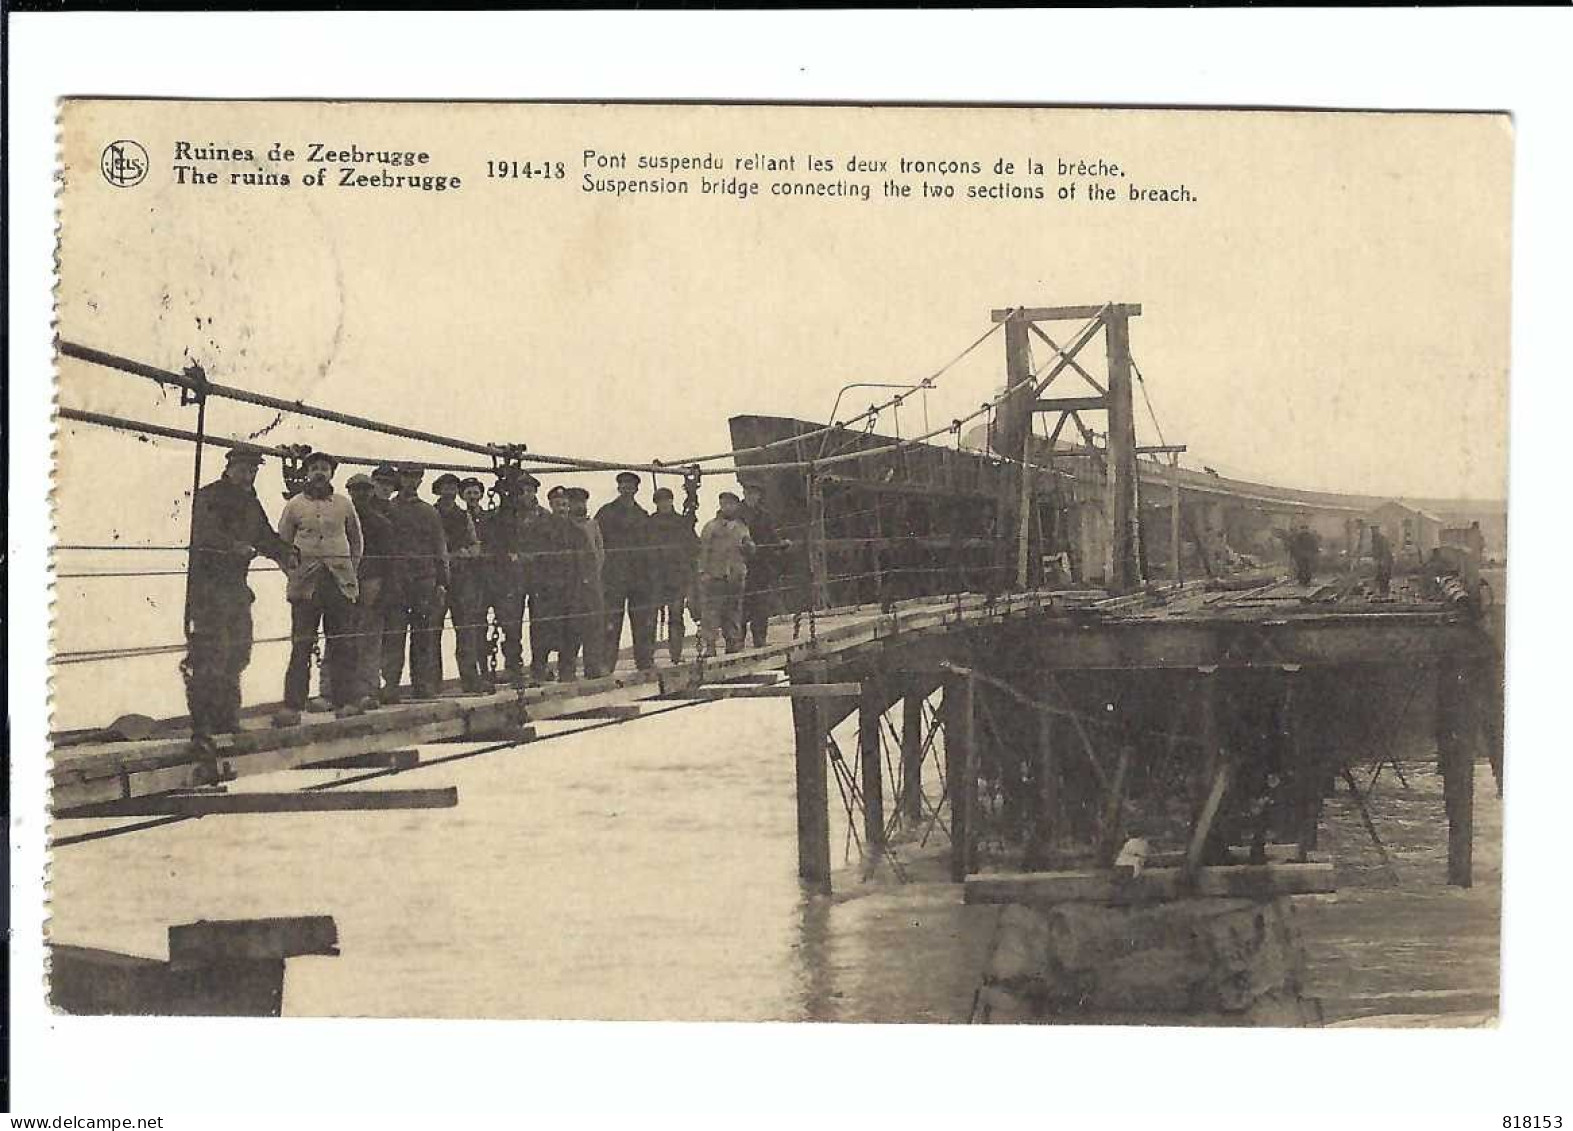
(228, 529)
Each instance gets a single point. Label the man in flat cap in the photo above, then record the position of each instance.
(507, 575)
(228, 529)
(627, 575)
(724, 550)
(323, 588)
(464, 556)
(370, 611)
(417, 591)
(765, 566)
(592, 624)
(559, 562)
(673, 551)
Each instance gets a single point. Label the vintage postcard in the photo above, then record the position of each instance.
(779, 563)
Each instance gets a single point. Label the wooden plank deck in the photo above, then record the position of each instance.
(102, 771)
(93, 772)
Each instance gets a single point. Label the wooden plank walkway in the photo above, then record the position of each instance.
(90, 773)
(93, 772)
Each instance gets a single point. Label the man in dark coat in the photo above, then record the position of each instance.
(503, 536)
(228, 529)
(592, 616)
(674, 552)
(558, 562)
(417, 601)
(464, 552)
(625, 576)
(764, 567)
(371, 606)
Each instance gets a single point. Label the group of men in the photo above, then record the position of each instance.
(380, 572)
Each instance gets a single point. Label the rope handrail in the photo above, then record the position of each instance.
(1080, 339)
(93, 655)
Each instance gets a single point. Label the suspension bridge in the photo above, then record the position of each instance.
(1032, 673)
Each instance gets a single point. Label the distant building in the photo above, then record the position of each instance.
(1413, 533)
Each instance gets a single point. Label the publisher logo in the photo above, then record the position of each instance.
(124, 163)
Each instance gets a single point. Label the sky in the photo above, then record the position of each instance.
(1330, 312)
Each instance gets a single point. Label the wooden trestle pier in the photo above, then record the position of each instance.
(1179, 715)
(1188, 716)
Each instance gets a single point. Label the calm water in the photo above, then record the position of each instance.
(648, 870)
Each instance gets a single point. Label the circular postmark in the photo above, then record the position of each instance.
(124, 163)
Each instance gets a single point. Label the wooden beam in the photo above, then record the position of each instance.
(218, 940)
(1121, 470)
(912, 720)
(1064, 313)
(610, 711)
(515, 734)
(1050, 796)
(1068, 357)
(961, 750)
(1160, 449)
(1252, 881)
(871, 710)
(372, 760)
(775, 691)
(1204, 820)
(813, 799)
(214, 804)
(1456, 758)
(1070, 404)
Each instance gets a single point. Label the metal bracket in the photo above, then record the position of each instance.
(507, 459)
(294, 468)
(691, 478)
(199, 378)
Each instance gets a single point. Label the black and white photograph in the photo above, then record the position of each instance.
(767, 563)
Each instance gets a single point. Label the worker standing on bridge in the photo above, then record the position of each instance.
(228, 529)
(324, 585)
(1304, 546)
(370, 612)
(764, 566)
(674, 551)
(725, 547)
(592, 625)
(464, 551)
(472, 491)
(625, 530)
(416, 601)
(503, 538)
(557, 557)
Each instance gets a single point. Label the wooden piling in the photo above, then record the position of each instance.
(871, 710)
(1455, 753)
(912, 757)
(813, 800)
(1123, 518)
(961, 750)
(1046, 800)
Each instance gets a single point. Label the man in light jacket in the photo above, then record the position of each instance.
(724, 550)
(324, 528)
